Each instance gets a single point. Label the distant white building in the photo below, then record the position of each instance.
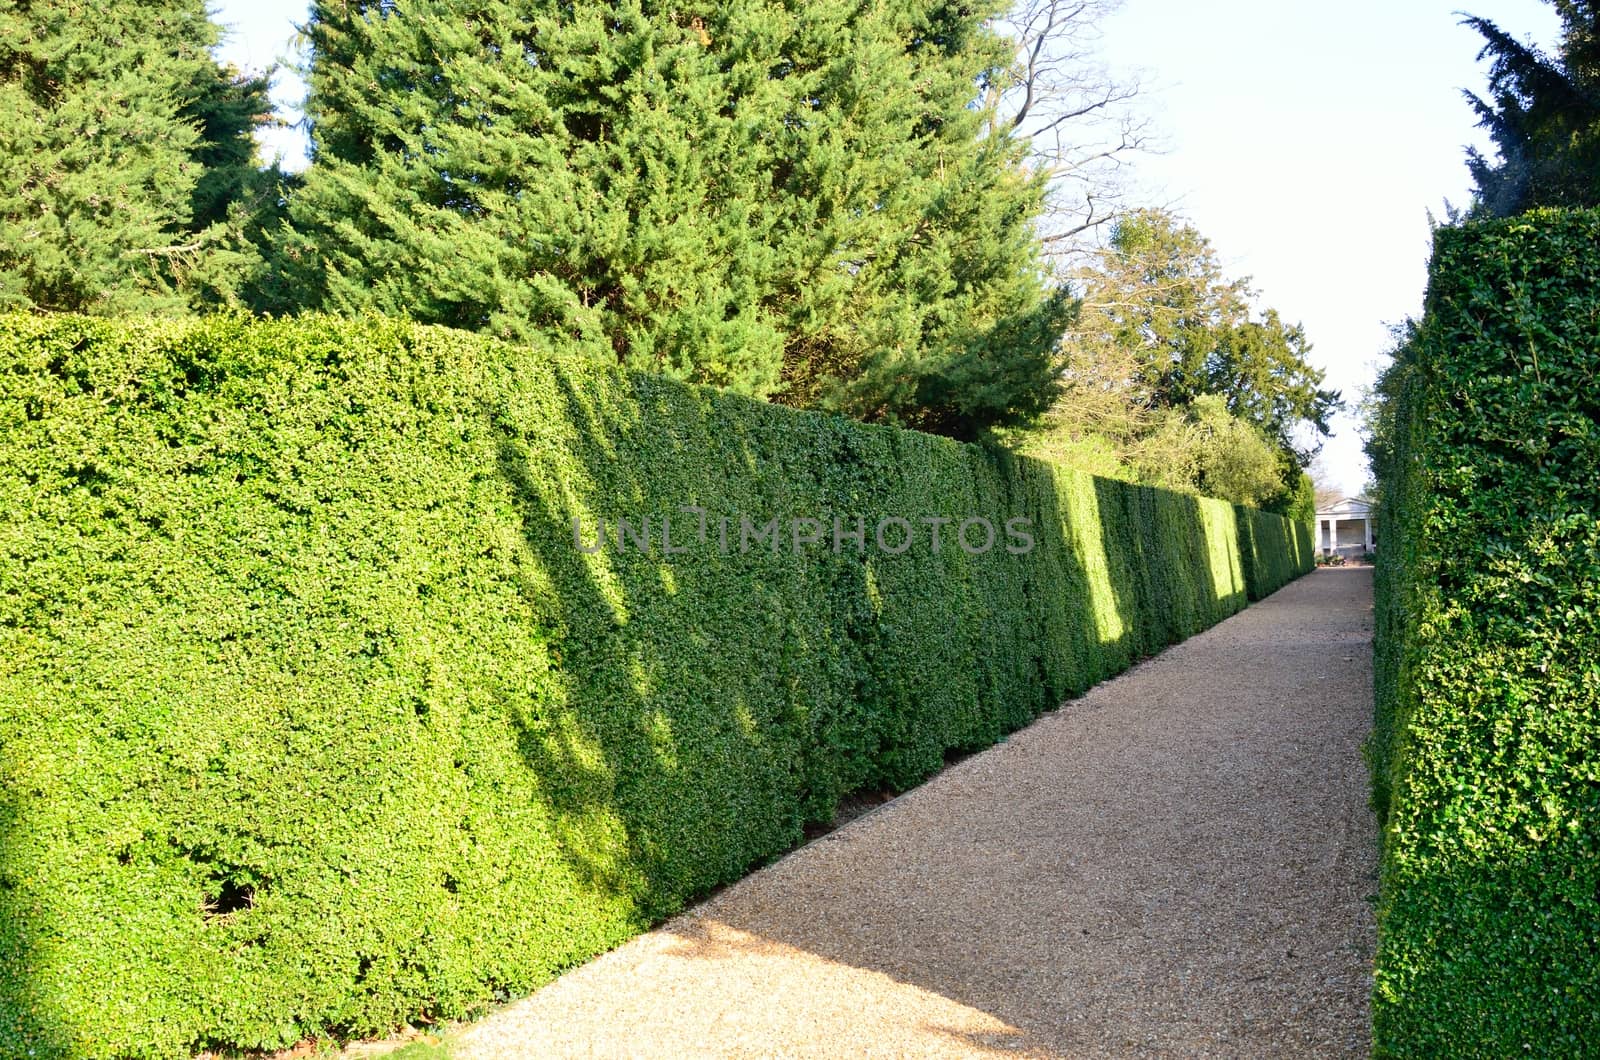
(1346, 527)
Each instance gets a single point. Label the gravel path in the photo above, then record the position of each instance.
(1176, 864)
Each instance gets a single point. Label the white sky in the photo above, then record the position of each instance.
(1308, 141)
(257, 34)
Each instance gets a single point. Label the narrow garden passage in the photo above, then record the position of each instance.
(1177, 864)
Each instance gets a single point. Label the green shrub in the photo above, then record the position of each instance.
(1486, 753)
(314, 719)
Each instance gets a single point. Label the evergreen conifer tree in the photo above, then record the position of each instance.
(125, 147)
(1543, 113)
(794, 201)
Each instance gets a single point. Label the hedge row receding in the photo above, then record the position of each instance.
(315, 716)
(1487, 749)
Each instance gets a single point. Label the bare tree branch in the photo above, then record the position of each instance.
(1077, 117)
(160, 252)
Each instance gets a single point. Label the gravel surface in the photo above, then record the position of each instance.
(1177, 864)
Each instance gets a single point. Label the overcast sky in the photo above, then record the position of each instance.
(1308, 141)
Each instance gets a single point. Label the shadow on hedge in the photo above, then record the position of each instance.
(24, 1029)
(717, 704)
(664, 774)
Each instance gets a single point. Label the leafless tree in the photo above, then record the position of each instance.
(1077, 116)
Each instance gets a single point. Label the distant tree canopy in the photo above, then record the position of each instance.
(1207, 449)
(1543, 113)
(1160, 292)
(802, 202)
(127, 151)
(1173, 378)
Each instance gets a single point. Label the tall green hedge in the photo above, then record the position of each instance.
(1487, 749)
(314, 717)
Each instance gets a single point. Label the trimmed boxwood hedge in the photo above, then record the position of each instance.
(1487, 748)
(313, 717)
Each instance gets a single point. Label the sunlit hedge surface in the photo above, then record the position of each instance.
(317, 715)
(1487, 751)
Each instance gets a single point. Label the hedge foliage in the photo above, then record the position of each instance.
(314, 717)
(1487, 749)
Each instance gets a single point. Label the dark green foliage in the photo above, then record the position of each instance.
(1543, 113)
(126, 148)
(238, 206)
(788, 200)
(1488, 726)
(225, 108)
(313, 718)
(1274, 550)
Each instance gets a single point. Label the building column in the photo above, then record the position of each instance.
(1369, 533)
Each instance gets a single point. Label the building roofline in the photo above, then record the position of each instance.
(1365, 502)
